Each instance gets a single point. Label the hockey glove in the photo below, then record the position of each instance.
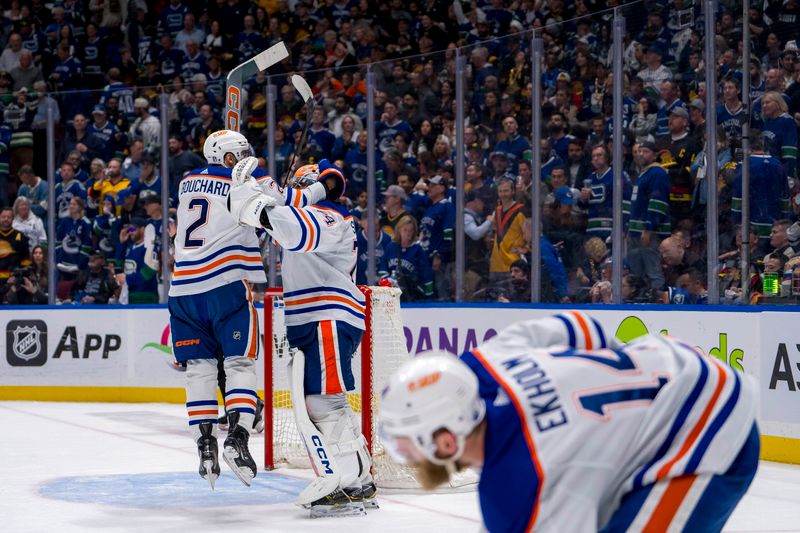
(246, 201)
(332, 178)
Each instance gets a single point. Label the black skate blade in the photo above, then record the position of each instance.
(244, 474)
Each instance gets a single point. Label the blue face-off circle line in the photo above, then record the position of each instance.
(172, 490)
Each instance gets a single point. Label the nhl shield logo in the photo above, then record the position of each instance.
(26, 343)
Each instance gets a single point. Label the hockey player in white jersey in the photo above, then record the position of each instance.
(211, 305)
(574, 435)
(325, 321)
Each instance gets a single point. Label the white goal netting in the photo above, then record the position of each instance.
(382, 351)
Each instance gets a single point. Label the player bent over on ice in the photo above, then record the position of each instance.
(210, 303)
(572, 435)
(324, 323)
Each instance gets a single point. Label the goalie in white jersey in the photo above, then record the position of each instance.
(573, 435)
(325, 322)
(210, 303)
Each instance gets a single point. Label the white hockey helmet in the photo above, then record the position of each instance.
(221, 142)
(433, 391)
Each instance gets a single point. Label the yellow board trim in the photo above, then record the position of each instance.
(778, 449)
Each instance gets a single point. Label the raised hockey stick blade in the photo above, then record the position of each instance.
(233, 94)
(302, 87)
(318, 451)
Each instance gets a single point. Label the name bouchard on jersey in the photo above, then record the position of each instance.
(206, 186)
(542, 398)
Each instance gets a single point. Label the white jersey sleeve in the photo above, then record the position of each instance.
(319, 264)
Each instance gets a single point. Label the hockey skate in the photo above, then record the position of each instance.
(366, 494)
(207, 449)
(236, 453)
(336, 504)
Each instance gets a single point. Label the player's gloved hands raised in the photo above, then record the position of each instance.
(332, 178)
(246, 200)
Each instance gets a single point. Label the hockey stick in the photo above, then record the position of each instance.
(319, 452)
(233, 94)
(302, 87)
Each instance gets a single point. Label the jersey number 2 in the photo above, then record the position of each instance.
(600, 403)
(201, 221)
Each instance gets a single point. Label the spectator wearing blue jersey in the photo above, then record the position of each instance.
(104, 136)
(768, 189)
(558, 139)
(514, 145)
(249, 41)
(389, 126)
(597, 194)
(123, 92)
(149, 181)
(67, 72)
(141, 264)
(320, 138)
(406, 263)
(103, 240)
(731, 113)
(170, 59)
(67, 189)
(382, 241)
(73, 241)
(172, 17)
(650, 216)
(780, 131)
(436, 234)
(355, 166)
(670, 95)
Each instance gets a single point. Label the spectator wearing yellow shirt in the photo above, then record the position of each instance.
(509, 241)
(111, 183)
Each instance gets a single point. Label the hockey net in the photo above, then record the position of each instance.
(382, 351)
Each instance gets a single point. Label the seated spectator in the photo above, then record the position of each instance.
(779, 241)
(406, 264)
(27, 223)
(34, 189)
(590, 270)
(27, 73)
(95, 285)
(28, 286)
(15, 244)
(692, 281)
(141, 266)
(519, 286)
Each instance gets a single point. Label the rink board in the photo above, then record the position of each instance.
(123, 353)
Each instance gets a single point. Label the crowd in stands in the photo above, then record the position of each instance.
(101, 66)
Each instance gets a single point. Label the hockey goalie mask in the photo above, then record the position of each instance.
(433, 391)
(304, 176)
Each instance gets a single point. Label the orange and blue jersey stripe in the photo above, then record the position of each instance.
(323, 298)
(701, 426)
(309, 231)
(583, 331)
(233, 257)
(202, 411)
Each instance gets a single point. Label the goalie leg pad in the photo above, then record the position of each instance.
(332, 415)
(240, 393)
(201, 394)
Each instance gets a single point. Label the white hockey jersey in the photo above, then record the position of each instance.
(319, 264)
(575, 426)
(211, 248)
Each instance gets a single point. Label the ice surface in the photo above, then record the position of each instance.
(133, 467)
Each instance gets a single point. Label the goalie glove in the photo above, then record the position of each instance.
(246, 200)
(332, 178)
